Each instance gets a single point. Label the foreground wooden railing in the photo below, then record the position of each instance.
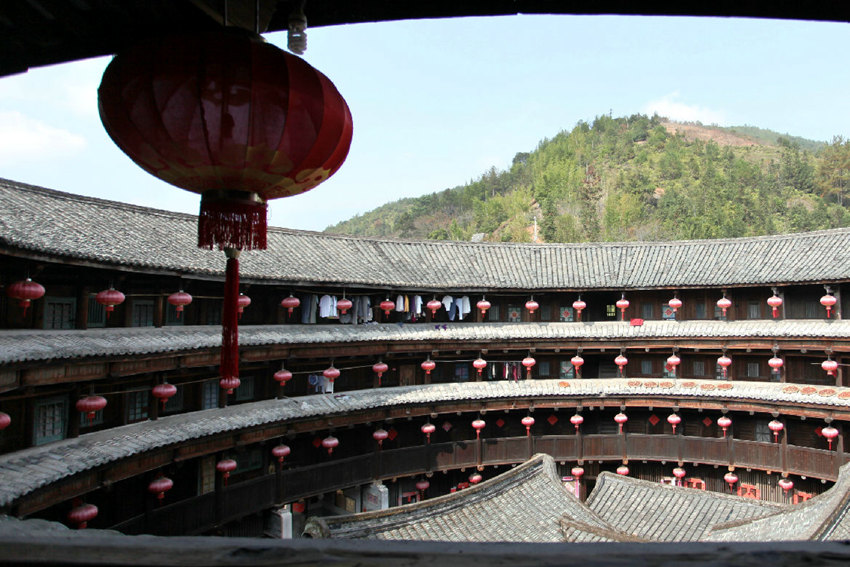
(202, 513)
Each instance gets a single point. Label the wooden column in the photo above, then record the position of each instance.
(74, 425)
(783, 458)
(82, 318)
(159, 308)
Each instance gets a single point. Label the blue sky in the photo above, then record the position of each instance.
(437, 102)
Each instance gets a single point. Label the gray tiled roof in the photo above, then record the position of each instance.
(36, 345)
(657, 512)
(64, 225)
(823, 517)
(24, 471)
(528, 503)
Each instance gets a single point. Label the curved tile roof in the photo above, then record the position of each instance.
(27, 470)
(37, 345)
(84, 228)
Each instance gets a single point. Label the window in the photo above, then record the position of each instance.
(753, 310)
(566, 314)
(763, 432)
(137, 406)
(142, 313)
(752, 369)
(546, 312)
(699, 311)
(462, 373)
(494, 313)
(514, 313)
(209, 395)
(667, 312)
(96, 420)
(59, 312)
(206, 477)
(175, 402)
(49, 420)
(566, 370)
(811, 310)
(96, 313)
(245, 391)
(611, 311)
(646, 310)
(250, 461)
(699, 368)
(646, 367)
(543, 368)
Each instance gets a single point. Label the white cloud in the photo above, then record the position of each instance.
(26, 139)
(670, 107)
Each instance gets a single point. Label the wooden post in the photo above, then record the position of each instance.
(74, 426)
(82, 318)
(159, 310)
(784, 448)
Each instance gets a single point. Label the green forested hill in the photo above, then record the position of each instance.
(635, 178)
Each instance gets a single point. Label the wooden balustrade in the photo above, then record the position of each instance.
(201, 513)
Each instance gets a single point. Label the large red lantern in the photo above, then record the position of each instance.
(428, 365)
(380, 435)
(679, 473)
(90, 405)
(280, 452)
(622, 305)
(775, 363)
(283, 376)
(109, 298)
(387, 306)
(225, 467)
(621, 361)
(829, 433)
(159, 486)
(478, 425)
(475, 478)
(5, 420)
(829, 302)
(577, 361)
(730, 478)
(532, 305)
(675, 304)
(433, 305)
(579, 306)
(422, 486)
(577, 420)
(229, 383)
(621, 420)
(164, 392)
(331, 373)
(724, 422)
(290, 303)
(674, 420)
(343, 305)
(428, 429)
(785, 484)
(830, 366)
(25, 292)
(483, 306)
(229, 116)
(724, 303)
(242, 302)
(724, 362)
(479, 364)
(82, 514)
(379, 368)
(577, 472)
(775, 303)
(179, 300)
(623, 470)
(529, 363)
(776, 426)
(528, 421)
(330, 443)
(673, 361)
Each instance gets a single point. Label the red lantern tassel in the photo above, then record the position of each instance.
(229, 320)
(232, 219)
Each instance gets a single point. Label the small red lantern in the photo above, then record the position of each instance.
(679, 473)
(159, 486)
(179, 300)
(724, 303)
(830, 366)
(529, 363)
(475, 478)
(242, 302)
(343, 305)
(528, 421)
(82, 514)
(479, 364)
(422, 486)
(776, 426)
(283, 376)
(775, 303)
(621, 419)
(331, 373)
(90, 405)
(478, 425)
(380, 435)
(387, 306)
(577, 361)
(724, 362)
(672, 362)
(622, 305)
(828, 301)
(225, 467)
(229, 383)
(830, 433)
(164, 392)
(623, 470)
(577, 472)
(621, 361)
(724, 422)
(5, 420)
(785, 484)
(330, 443)
(109, 298)
(290, 303)
(674, 420)
(577, 420)
(483, 306)
(379, 368)
(25, 292)
(776, 363)
(579, 306)
(434, 305)
(675, 304)
(280, 452)
(730, 478)
(532, 305)
(428, 365)
(428, 429)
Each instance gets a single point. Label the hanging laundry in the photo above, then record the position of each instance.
(399, 303)
(327, 307)
(466, 307)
